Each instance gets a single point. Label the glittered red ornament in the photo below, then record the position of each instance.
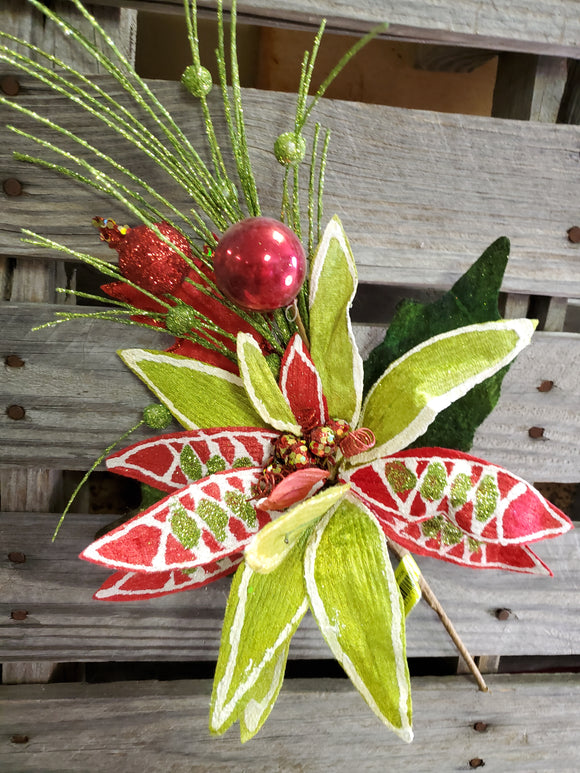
(259, 264)
(144, 258)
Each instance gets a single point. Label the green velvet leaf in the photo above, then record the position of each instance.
(262, 388)
(272, 543)
(333, 283)
(430, 377)
(262, 614)
(473, 298)
(264, 694)
(198, 395)
(355, 599)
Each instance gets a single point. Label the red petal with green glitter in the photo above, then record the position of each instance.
(301, 385)
(204, 522)
(170, 462)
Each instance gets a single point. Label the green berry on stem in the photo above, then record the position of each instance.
(197, 80)
(157, 416)
(290, 148)
(180, 320)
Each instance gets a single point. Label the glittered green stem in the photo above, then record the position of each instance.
(338, 68)
(85, 477)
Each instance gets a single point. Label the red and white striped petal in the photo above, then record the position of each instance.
(486, 502)
(170, 462)
(204, 522)
(301, 386)
(142, 586)
(422, 538)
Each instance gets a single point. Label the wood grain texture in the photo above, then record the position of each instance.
(20, 19)
(79, 397)
(65, 624)
(532, 721)
(529, 87)
(534, 26)
(420, 197)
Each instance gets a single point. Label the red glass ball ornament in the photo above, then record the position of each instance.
(259, 264)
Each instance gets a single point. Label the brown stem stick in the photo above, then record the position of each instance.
(300, 326)
(434, 603)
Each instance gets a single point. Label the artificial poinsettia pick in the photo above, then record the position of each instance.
(302, 475)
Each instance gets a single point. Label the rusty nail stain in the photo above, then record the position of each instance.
(10, 85)
(503, 613)
(476, 762)
(536, 432)
(14, 361)
(18, 614)
(16, 412)
(12, 186)
(574, 234)
(545, 386)
(480, 727)
(18, 738)
(17, 557)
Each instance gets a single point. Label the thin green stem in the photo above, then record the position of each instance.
(85, 477)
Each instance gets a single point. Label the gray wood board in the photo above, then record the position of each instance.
(533, 723)
(421, 194)
(552, 27)
(64, 623)
(79, 397)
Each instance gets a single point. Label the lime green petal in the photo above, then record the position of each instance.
(262, 614)
(272, 543)
(198, 395)
(356, 602)
(428, 378)
(262, 388)
(333, 283)
(264, 695)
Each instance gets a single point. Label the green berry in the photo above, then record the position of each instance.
(157, 416)
(197, 80)
(289, 148)
(180, 320)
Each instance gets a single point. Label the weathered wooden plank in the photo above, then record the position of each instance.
(419, 200)
(513, 26)
(78, 397)
(532, 724)
(529, 87)
(63, 623)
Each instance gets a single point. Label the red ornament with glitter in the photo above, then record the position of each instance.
(259, 264)
(144, 258)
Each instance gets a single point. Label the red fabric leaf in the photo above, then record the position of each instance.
(191, 528)
(142, 586)
(158, 461)
(499, 508)
(294, 488)
(301, 385)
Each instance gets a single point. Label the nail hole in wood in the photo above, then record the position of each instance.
(9, 85)
(536, 432)
(503, 613)
(14, 361)
(545, 386)
(17, 557)
(476, 762)
(480, 727)
(15, 412)
(18, 614)
(18, 738)
(12, 187)
(574, 234)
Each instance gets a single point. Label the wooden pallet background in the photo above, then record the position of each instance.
(420, 194)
